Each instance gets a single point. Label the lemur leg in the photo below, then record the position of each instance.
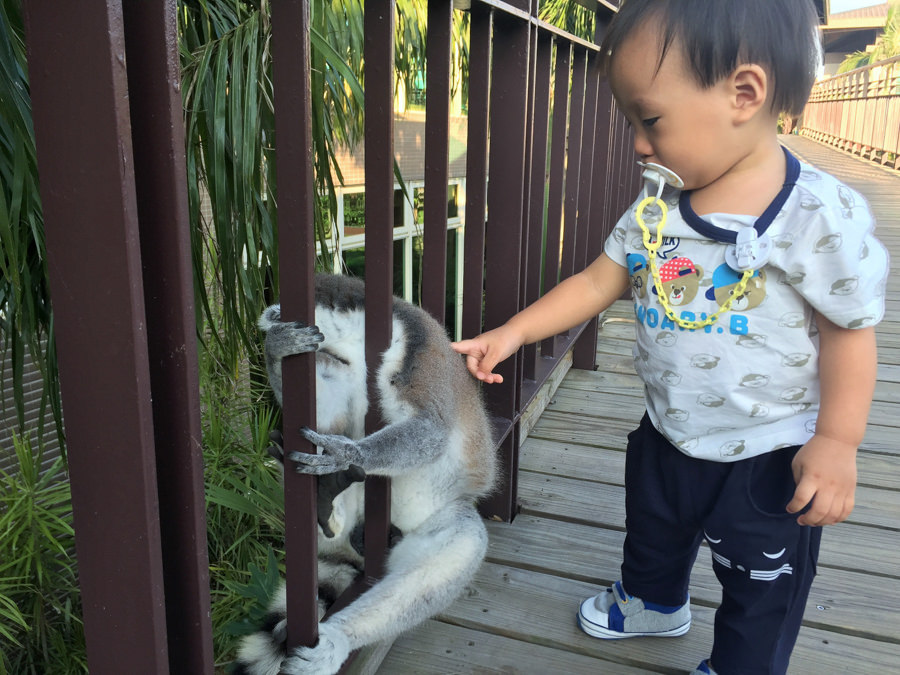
(427, 571)
(389, 451)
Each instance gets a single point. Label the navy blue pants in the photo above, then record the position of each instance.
(764, 560)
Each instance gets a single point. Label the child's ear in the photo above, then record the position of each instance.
(750, 90)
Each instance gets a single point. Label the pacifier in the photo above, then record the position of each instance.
(659, 174)
(750, 252)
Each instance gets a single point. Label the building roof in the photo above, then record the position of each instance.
(873, 16)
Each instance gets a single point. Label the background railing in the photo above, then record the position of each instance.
(859, 111)
(549, 168)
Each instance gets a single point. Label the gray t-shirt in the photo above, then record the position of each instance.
(749, 383)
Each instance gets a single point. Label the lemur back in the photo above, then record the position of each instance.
(436, 447)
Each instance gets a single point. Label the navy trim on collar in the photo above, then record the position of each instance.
(762, 223)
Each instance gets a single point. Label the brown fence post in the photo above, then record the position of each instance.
(83, 134)
(476, 167)
(379, 213)
(503, 241)
(295, 199)
(160, 176)
(437, 145)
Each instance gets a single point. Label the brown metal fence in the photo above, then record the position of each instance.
(859, 111)
(549, 168)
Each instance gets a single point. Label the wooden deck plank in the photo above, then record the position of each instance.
(540, 608)
(584, 461)
(838, 601)
(444, 648)
(845, 589)
(576, 500)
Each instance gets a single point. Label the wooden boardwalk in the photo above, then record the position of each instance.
(519, 614)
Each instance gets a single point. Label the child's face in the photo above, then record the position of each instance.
(676, 122)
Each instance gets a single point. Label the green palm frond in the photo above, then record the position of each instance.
(570, 16)
(886, 47)
(25, 315)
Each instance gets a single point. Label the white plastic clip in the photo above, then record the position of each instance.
(750, 252)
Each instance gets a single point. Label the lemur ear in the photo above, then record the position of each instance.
(750, 89)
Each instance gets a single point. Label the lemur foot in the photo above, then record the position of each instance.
(325, 658)
(285, 339)
(338, 453)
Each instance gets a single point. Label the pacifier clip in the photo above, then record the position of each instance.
(747, 250)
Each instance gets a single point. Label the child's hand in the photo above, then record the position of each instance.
(825, 473)
(487, 350)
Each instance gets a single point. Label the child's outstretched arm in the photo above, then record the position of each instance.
(573, 301)
(825, 468)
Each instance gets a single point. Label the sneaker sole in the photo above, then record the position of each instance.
(604, 633)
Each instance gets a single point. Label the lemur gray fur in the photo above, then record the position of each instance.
(436, 447)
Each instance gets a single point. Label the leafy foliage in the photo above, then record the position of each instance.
(570, 16)
(26, 321)
(887, 46)
(244, 500)
(40, 610)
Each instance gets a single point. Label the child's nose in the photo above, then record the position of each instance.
(642, 147)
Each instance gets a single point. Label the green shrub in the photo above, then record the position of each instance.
(40, 607)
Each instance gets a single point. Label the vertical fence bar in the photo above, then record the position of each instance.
(480, 29)
(588, 160)
(437, 147)
(526, 370)
(556, 187)
(379, 213)
(295, 199)
(600, 195)
(160, 177)
(573, 164)
(584, 355)
(509, 95)
(83, 133)
(537, 190)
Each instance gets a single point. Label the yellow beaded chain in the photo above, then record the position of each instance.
(652, 247)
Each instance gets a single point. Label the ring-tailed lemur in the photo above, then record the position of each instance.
(436, 447)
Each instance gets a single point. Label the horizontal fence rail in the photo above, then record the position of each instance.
(859, 112)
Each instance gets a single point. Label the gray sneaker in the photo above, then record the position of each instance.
(614, 614)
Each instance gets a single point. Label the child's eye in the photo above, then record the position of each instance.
(650, 121)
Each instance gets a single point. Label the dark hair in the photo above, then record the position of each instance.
(716, 36)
